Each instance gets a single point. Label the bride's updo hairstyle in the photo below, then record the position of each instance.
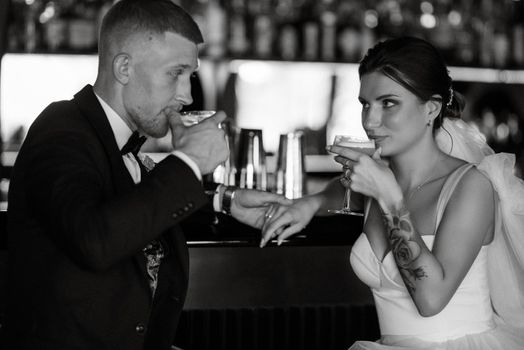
(419, 67)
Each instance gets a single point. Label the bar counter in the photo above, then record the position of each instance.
(300, 295)
(310, 267)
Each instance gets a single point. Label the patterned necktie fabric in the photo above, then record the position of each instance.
(153, 252)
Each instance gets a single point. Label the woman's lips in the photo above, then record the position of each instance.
(377, 138)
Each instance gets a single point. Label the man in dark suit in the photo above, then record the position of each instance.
(96, 258)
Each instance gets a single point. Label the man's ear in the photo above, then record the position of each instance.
(434, 106)
(121, 68)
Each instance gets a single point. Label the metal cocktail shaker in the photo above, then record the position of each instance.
(252, 167)
(226, 172)
(290, 172)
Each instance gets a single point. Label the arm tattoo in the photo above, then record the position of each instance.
(405, 249)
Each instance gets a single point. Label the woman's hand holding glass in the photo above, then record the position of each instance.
(369, 176)
(361, 146)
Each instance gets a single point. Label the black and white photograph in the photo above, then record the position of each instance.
(261, 175)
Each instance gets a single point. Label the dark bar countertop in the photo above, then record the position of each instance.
(205, 228)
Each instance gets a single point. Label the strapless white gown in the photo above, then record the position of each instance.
(467, 322)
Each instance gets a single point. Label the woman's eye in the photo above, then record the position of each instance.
(365, 105)
(388, 103)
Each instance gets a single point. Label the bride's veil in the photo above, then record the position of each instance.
(506, 252)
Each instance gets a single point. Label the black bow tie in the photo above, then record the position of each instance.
(133, 144)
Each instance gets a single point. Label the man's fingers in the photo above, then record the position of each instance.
(269, 197)
(284, 201)
(262, 198)
(175, 120)
(219, 117)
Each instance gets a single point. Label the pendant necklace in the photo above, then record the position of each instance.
(426, 181)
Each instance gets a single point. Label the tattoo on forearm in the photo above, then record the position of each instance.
(405, 249)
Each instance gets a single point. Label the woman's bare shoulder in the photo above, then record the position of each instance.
(474, 185)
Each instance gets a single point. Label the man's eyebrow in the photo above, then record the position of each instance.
(186, 67)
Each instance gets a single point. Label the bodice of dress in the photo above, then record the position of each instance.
(469, 311)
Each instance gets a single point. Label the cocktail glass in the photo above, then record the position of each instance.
(358, 144)
(190, 118)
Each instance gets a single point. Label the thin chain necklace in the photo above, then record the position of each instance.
(427, 180)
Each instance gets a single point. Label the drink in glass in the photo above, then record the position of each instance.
(362, 145)
(190, 118)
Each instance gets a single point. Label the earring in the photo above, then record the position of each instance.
(429, 123)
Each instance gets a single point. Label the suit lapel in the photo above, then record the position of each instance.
(89, 106)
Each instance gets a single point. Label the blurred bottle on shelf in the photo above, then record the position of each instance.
(215, 29)
(442, 34)
(286, 22)
(31, 38)
(54, 25)
(238, 44)
(466, 50)
(348, 31)
(310, 28)
(517, 35)
(82, 26)
(264, 28)
(368, 35)
(501, 35)
(484, 33)
(328, 23)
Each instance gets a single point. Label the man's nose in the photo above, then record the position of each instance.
(183, 93)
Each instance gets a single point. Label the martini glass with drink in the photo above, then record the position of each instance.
(358, 144)
(190, 118)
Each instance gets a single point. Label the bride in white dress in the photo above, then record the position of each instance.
(442, 247)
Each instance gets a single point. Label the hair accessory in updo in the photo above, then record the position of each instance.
(450, 101)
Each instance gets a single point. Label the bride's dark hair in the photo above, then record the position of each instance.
(419, 67)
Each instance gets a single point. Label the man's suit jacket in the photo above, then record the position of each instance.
(77, 225)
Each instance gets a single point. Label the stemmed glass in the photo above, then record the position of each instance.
(190, 118)
(360, 145)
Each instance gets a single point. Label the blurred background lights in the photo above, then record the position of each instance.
(426, 7)
(454, 17)
(427, 20)
(371, 18)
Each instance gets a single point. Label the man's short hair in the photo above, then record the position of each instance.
(146, 16)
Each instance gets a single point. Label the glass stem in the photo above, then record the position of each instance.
(347, 199)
